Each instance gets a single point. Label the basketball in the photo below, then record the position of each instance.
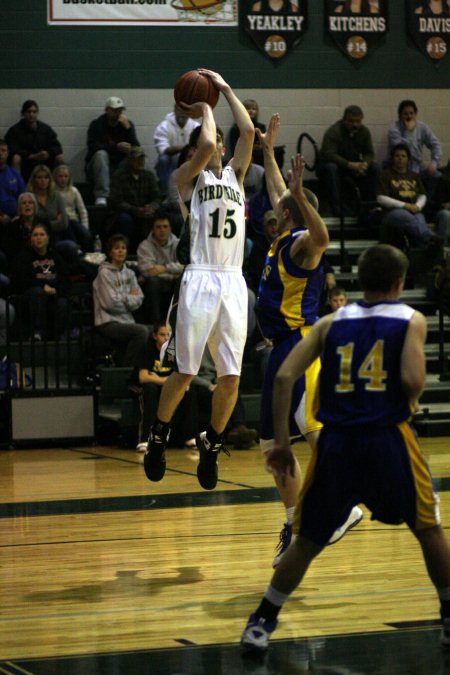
(192, 87)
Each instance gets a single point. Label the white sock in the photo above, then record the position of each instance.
(290, 514)
(275, 597)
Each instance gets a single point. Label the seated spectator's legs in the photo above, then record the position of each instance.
(430, 183)
(81, 235)
(98, 172)
(48, 313)
(158, 294)
(133, 336)
(443, 225)
(328, 174)
(164, 166)
(6, 318)
(367, 183)
(400, 222)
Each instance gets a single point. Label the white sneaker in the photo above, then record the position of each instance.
(141, 447)
(355, 517)
(100, 201)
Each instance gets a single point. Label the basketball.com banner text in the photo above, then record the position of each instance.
(143, 12)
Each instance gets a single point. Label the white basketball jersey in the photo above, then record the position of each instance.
(217, 220)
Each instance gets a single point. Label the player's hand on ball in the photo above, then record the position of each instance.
(194, 110)
(217, 79)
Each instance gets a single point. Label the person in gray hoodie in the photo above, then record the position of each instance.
(158, 265)
(117, 295)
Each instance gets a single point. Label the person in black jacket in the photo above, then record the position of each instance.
(31, 142)
(38, 276)
(109, 139)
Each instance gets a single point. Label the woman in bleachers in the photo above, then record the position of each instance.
(39, 276)
(50, 205)
(117, 295)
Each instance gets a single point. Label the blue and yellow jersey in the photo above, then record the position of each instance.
(360, 379)
(288, 295)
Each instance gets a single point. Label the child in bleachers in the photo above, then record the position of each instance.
(75, 207)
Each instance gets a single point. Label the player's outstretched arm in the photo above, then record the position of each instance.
(206, 145)
(274, 179)
(318, 238)
(244, 147)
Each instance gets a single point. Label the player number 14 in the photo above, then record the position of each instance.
(371, 369)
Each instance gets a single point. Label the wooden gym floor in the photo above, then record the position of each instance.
(104, 572)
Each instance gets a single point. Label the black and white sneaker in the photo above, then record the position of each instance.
(207, 470)
(154, 458)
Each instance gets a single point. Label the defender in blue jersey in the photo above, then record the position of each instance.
(373, 373)
(287, 306)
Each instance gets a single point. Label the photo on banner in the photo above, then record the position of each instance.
(275, 26)
(429, 26)
(143, 13)
(357, 27)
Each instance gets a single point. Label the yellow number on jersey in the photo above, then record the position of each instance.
(371, 368)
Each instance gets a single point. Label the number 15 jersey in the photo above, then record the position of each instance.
(360, 381)
(217, 224)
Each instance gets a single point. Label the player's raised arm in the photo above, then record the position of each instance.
(244, 147)
(206, 145)
(317, 238)
(274, 179)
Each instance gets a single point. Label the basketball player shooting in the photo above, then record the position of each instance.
(212, 307)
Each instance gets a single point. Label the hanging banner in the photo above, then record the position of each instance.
(275, 26)
(429, 26)
(356, 26)
(143, 12)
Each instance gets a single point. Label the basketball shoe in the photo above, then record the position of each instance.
(255, 638)
(154, 458)
(207, 469)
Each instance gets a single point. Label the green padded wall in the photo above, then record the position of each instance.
(36, 55)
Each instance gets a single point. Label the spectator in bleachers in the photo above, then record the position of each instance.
(109, 139)
(39, 275)
(170, 137)
(442, 200)
(347, 154)
(50, 205)
(32, 142)
(74, 206)
(11, 185)
(16, 235)
(149, 377)
(5, 285)
(410, 131)
(134, 198)
(158, 265)
(261, 244)
(258, 205)
(117, 295)
(401, 193)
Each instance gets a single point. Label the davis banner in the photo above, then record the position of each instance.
(356, 26)
(429, 26)
(275, 25)
(143, 12)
